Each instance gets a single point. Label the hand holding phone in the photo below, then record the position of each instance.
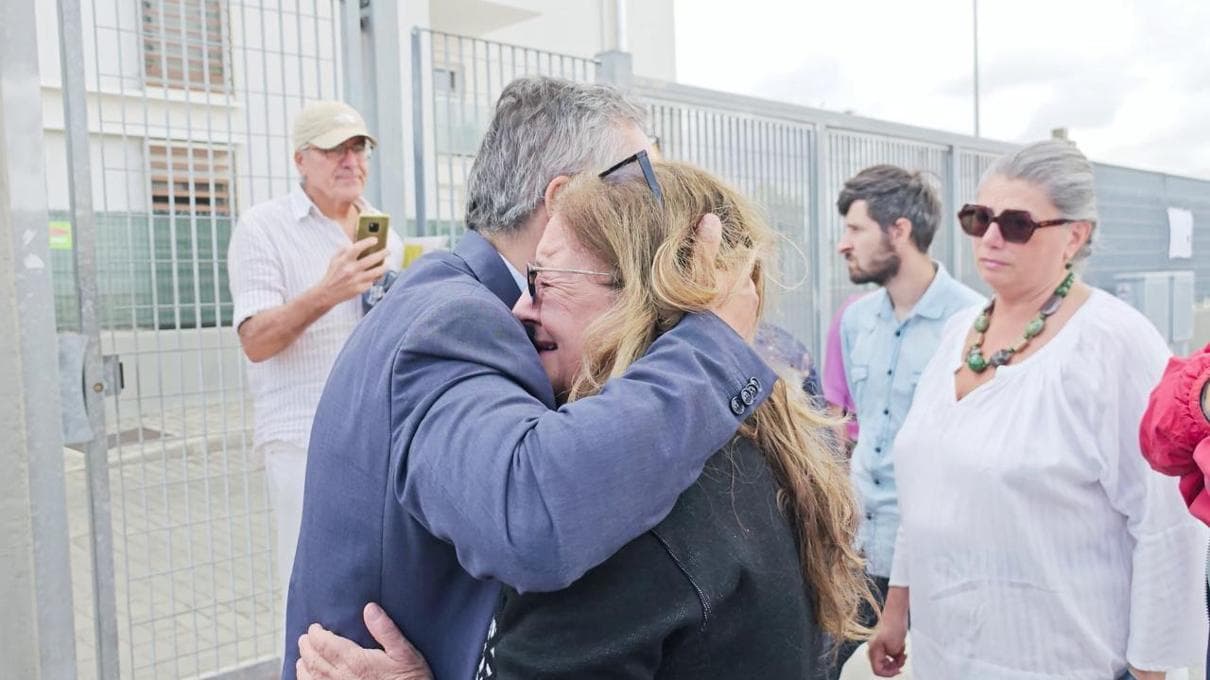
(375, 226)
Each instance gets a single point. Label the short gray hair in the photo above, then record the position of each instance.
(543, 128)
(1062, 171)
(890, 193)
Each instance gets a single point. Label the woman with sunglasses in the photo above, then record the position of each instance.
(1035, 542)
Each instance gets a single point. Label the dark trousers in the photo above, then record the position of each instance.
(869, 618)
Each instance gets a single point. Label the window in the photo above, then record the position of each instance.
(447, 80)
(178, 188)
(184, 44)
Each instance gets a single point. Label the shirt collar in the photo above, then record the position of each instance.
(931, 305)
(517, 276)
(301, 204)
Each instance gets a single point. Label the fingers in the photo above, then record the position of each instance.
(312, 661)
(389, 635)
(708, 238)
(884, 662)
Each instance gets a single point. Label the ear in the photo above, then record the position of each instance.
(900, 231)
(298, 159)
(552, 190)
(1079, 234)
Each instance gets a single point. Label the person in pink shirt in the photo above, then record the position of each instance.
(835, 386)
(1175, 432)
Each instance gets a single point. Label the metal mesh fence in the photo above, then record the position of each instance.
(767, 159)
(190, 105)
(455, 86)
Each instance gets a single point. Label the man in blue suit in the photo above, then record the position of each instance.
(441, 463)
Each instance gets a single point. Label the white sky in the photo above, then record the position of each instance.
(1130, 79)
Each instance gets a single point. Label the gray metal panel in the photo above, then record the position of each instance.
(1132, 235)
(36, 628)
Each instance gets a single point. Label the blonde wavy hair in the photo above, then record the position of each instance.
(650, 251)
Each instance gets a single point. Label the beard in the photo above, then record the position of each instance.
(883, 267)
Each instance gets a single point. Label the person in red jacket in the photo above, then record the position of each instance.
(1175, 433)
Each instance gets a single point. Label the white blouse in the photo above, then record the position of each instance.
(1036, 541)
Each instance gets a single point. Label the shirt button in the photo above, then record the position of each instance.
(877, 482)
(886, 411)
(877, 449)
(869, 515)
(898, 333)
(888, 371)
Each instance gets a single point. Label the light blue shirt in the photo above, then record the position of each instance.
(883, 358)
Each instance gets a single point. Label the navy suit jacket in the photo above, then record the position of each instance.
(440, 467)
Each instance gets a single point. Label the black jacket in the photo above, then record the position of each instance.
(714, 591)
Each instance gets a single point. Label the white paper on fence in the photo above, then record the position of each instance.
(1180, 233)
(416, 246)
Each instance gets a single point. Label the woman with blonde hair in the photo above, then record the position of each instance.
(756, 558)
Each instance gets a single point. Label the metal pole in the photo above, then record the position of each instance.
(388, 101)
(619, 26)
(418, 134)
(350, 46)
(79, 184)
(975, 17)
(37, 632)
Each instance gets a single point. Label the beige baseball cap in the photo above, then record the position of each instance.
(327, 124)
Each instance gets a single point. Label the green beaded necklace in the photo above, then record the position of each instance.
(974, 356)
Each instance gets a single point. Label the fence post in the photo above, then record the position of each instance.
(616, 68)
(37, 632)
(418, 134)
(387, 102)
(950, 211)
(96, 458)
(819, 217)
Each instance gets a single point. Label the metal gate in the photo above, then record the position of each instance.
(455, 83)
(184, 120)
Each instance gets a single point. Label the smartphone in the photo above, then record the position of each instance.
(374, 226)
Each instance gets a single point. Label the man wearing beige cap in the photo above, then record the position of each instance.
(296, 283)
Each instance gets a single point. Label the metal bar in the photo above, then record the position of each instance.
(350, 33)
(818, 168)
(79, 182)
(388, 94)
(418, 133)
(37, 635)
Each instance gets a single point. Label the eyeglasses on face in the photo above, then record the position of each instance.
(1016, 226)
(532, 271)
(644, 162)
(360, 148)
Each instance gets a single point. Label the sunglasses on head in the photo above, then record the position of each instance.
(1016, 226)
(644, 162)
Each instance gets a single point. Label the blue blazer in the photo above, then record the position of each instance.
(439, 466)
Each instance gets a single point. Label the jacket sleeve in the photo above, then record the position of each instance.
(1167, 617)
(534, 497)
(614, 623)
(1174, 433)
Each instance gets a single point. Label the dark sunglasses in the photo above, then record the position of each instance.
(644, 162)
(532, 271)
(1016, 226)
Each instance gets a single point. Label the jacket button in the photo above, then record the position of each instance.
(754, 384)
(747, 395)
(737, 406)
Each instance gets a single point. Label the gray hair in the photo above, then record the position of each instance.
(890, 192)
(1062, 171)
(543, 128)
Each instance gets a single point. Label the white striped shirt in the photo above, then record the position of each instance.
(280, 249)
(1035, 539)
